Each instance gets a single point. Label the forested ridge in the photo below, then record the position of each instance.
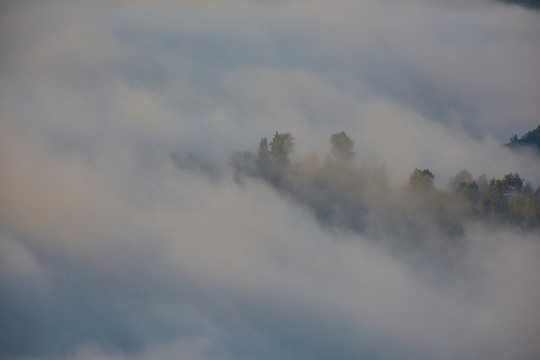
(341, 193)
(531, 139)
(528, 3)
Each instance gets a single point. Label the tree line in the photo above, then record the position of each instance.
(341, 193)
(531, 139)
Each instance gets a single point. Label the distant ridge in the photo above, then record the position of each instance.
(535, 4)
(530, 139)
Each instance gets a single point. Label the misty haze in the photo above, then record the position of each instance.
(253, 179)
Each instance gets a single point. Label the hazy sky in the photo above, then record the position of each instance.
(107, 251)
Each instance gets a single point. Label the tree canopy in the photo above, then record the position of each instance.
(344, 195)
(421, 180)
(342, 147)
(281, 147)
(530, 139)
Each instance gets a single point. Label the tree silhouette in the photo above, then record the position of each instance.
(421, 180)
(280, 148)
(342, 147)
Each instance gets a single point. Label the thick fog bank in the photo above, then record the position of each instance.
(109, 250)
(218, 270)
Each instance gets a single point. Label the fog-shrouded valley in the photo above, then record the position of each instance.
(252, 179)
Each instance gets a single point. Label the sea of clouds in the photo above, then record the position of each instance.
(109, 251)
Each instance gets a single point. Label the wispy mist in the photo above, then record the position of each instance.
(110, 250)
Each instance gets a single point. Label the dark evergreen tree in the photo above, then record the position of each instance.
(421, 180)
(262, 162)
(342, 147)
(469, 190)
(281, 147)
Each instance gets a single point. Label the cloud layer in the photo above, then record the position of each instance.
(108, 251)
